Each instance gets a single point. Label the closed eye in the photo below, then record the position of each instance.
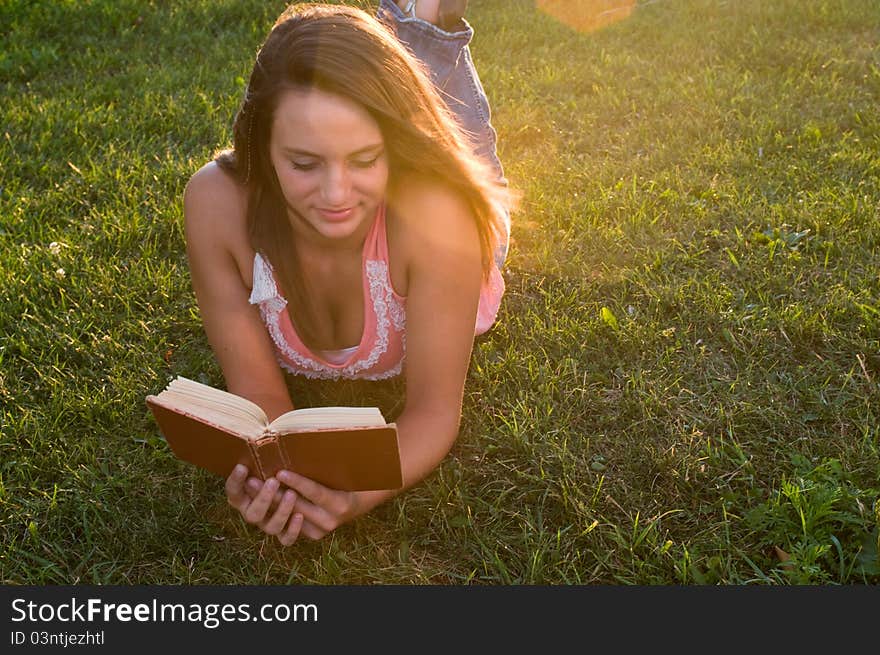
(366, 163)
(304, 166)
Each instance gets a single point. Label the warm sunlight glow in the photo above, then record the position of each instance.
(587, 15)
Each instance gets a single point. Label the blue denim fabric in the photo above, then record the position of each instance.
(447, 57)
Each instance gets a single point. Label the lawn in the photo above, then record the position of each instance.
(684, 383)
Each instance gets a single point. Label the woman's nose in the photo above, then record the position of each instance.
(335, 186)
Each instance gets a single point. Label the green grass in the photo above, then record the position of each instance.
(685, 377)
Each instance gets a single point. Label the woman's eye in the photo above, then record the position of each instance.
(303, 166)
(366, 163)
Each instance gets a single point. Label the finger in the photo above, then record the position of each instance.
(322, 520)
(275, 524)
(235, 488)
(317, 493)
(334, 502)
(312, 531)
(292, 533)
(253, 486)
(256, 511)
(235, 481)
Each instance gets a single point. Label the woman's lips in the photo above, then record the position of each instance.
(335, 214)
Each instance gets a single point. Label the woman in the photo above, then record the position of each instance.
(355, 221)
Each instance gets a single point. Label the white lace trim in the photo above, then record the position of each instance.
(264, 284)
(388, 310)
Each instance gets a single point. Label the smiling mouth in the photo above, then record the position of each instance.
(335, 214)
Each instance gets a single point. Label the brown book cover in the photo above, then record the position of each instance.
(348, 459)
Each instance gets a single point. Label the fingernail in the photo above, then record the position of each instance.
(240, 469)
(272, 483)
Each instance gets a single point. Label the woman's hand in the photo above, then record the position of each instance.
(321, 509)
(272, 510)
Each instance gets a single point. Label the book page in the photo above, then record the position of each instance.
(216, 405)
(312, 418)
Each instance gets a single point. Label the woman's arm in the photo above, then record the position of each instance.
(216, 240)
(444, 274)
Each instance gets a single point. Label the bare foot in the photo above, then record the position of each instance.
(427, 10)
(445, 14)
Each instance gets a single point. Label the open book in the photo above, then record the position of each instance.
(347, 448)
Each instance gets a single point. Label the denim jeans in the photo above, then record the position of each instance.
(447, 57)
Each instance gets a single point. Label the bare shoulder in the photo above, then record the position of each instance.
(215, 221)
(427, 212)
(214, 203)
(212, 180)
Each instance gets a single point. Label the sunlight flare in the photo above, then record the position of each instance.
(587, 15)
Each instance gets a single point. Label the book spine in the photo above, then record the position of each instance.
(268, 456)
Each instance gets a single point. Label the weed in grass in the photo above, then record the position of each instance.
(805, 520)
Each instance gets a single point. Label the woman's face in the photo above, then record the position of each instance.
(329, 156)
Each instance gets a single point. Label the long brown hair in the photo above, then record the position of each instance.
(344, 51)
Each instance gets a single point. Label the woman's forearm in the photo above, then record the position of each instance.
(425, 438)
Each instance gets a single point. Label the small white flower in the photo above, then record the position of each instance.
(55, 247)
(60, 273)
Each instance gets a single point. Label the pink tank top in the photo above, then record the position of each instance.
(382, 349)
